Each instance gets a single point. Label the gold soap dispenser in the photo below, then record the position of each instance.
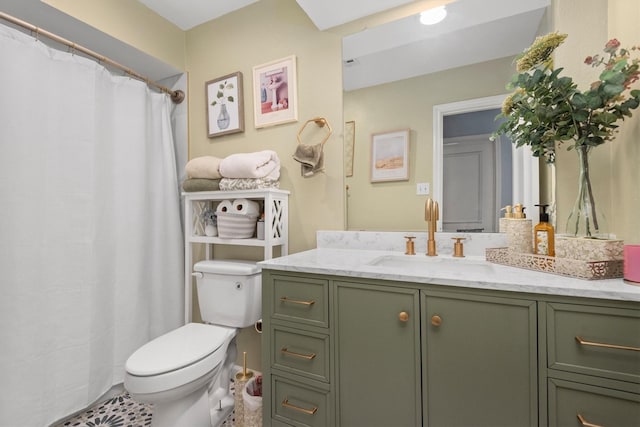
(543, 241)
(520, 231)
(504, 221)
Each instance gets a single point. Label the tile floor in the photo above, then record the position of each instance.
(120, 411)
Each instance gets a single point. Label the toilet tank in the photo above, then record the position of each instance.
(229, 292)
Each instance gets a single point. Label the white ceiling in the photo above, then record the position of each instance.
(187, 14)
(325, 14)
(474, 31)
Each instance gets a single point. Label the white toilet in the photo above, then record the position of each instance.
(186, 373)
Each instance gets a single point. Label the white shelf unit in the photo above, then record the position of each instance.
(276, 227)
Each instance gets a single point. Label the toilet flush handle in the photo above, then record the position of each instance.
(198, 274)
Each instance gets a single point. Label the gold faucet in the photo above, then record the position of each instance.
(431, 215)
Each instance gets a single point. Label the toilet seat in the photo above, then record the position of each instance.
(177, 357)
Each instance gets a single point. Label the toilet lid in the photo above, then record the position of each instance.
(230, 267)
(178, 348)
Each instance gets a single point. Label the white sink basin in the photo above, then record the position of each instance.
(422, 263)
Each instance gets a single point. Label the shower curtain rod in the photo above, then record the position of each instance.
(177, 96)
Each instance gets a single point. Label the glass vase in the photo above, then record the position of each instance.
(586, 219)
(223, 117)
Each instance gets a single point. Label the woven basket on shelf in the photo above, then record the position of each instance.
(236, 226)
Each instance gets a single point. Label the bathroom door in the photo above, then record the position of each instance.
(469, 190)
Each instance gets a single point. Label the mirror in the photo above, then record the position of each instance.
(523, 185)
(461, 72)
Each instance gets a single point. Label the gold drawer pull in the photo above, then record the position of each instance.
(311, 411)
(586, 423)
(294, 301)
(582, 341)
(300, 355)
(403, 316)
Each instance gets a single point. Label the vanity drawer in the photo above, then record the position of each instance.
(599, 341)
(299, 404)
(301, 352)
(302, 300)
(576, 404)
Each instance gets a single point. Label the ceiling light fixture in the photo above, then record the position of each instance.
(433, 16)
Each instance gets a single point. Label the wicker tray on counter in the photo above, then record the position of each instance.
(588, 270)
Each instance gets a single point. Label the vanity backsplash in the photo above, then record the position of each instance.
(474, 243)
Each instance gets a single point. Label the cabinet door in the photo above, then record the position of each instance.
(480, 361)
(378, 356)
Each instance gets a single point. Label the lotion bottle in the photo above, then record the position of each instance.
(504, 221)
(543, 241)
(519, 231)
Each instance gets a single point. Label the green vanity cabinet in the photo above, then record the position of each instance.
(377, 351)
(355, 352)
(479, 360)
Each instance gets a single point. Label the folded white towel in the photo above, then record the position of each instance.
(203, 167)
(261, 164)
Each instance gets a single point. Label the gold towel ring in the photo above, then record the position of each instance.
(321, 122)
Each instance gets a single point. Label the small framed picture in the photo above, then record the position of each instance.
(390, 156)
(225, 112)
(275, 99)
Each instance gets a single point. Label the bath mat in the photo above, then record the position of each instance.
(121, 411)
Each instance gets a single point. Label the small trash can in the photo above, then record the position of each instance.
(252, 396)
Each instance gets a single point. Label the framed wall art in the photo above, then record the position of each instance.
(390, 156)
(225, 112)
(349, 142)
(275, 99)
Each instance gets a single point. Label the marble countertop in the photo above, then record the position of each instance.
(350, 260)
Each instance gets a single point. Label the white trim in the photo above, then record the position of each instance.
(525, 168)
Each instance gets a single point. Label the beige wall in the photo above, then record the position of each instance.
(407, 104)
(132, 23)
(266, 31)
(586, 36)
(624, 16)
(614, 166)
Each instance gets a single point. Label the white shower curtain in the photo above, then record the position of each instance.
(91, 248)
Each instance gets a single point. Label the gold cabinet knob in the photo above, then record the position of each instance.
(403, 316)
(411, 247)
(436, 320)
(458, 248)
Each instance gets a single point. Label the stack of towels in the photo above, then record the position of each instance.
(242, 171)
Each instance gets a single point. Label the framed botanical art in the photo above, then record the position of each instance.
(275, 99)
(225, 112)
(390, 156)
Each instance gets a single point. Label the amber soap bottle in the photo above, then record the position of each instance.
(543, 242)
